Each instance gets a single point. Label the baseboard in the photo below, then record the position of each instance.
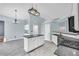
(7, 40)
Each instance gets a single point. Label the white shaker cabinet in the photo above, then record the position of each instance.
(32, 43)
(54, 39)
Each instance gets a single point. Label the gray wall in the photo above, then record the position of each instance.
(36, 20)
(57, 24)
(14, 31)
(11, 30)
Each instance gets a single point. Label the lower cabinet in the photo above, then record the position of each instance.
(33, 43)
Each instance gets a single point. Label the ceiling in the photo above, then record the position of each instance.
(48, 11)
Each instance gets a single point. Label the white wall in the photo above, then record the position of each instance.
(75, 13)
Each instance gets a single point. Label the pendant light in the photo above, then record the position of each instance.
(33, 11)
(15, 20)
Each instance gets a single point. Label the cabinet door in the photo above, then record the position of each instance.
(54, 39)
(26, 48)
(35, 42)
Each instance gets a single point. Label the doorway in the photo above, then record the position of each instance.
(47, 32)
(1, 31)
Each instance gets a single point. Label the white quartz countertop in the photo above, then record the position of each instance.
(32, 36)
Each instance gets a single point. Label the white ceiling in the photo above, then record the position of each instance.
(47, 10)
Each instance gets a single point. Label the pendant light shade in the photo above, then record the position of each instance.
(33, 12)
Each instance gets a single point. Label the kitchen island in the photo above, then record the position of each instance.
(32, 42)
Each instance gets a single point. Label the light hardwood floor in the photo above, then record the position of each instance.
(16, 48)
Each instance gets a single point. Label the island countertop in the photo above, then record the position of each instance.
(32, 36)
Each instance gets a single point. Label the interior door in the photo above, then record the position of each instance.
(47, 32)
(35, 29)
